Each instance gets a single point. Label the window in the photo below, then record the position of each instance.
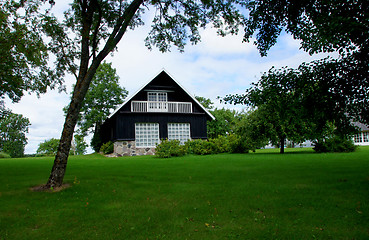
(357, 138)
(157, 101)
(157, 97)
(147, 134)
(179, 131)
(366, 136)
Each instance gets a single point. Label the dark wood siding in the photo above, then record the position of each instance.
(124, 125)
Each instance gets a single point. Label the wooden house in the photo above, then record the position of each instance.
(161, 109)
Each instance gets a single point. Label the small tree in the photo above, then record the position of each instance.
(13, 129)
(48, 147)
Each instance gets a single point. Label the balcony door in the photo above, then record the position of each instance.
(158, 101)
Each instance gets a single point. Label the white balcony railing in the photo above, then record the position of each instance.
(171, 107)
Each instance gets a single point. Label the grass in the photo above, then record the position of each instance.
(262, 195)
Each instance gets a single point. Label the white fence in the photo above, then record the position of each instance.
(171, 107)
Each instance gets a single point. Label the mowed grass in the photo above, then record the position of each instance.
(263, 195)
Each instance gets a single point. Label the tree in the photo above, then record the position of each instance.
(322, 26)
(48, 147)
(225, 122)
(104, 95)
(24, 64)
(13, 129)
(79, 146)
(253, 130)
(279, 105)
(206, 102)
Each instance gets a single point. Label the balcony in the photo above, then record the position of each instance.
(168, 107)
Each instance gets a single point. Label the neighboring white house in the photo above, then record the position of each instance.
(362, 138)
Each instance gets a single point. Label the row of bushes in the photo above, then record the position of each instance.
(223, 144)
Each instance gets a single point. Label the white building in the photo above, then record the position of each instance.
(362, 138)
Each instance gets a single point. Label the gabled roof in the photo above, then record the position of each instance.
(139, 90)
(361, 126)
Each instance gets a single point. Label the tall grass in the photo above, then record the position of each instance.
(263, 195)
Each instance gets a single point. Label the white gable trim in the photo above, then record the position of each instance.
(139, 90)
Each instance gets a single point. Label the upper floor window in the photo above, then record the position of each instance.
(157, 96)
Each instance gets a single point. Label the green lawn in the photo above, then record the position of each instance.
(263, 195)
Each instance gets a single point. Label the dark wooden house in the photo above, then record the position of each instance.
(161, 109)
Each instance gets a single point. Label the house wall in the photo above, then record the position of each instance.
(363, 139)
(125, 124)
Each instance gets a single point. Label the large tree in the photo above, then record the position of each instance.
(322, 26)
(279, 105)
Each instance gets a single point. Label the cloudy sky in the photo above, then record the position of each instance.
(215, 67)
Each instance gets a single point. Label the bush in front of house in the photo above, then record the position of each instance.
(107, 148)
(231, 143)
(334, 144)
(200, 147)
(170, 148)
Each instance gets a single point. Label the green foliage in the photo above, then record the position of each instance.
(206, 102)
(4, 155)
(103, 96)
(80, 145)
(96, 142)
(225, 122)
(222, 144)
(107, 148)
(200, 147)
(48, 147)
(334, 144)
(322, 26)
(13, 129)
(170, 148)
(25, 64)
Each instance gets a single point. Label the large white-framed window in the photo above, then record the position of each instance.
(147, 134)
(179, 131)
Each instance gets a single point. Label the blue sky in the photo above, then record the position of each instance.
(215, 67)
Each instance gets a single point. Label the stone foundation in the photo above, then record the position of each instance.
(128, 148)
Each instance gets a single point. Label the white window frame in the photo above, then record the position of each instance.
(147, 135)
(358, 138)
(157, 96)
(365, 136)
(179, 131)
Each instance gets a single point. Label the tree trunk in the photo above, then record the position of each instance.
(282, 144)
(61, 158)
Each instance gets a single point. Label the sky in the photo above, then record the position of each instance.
(217, 66)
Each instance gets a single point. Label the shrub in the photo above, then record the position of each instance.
(4, 155)
(107, 148)
(221, 144)
(170, 148)
(334, 144)
(200, 147)
(237, 144)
